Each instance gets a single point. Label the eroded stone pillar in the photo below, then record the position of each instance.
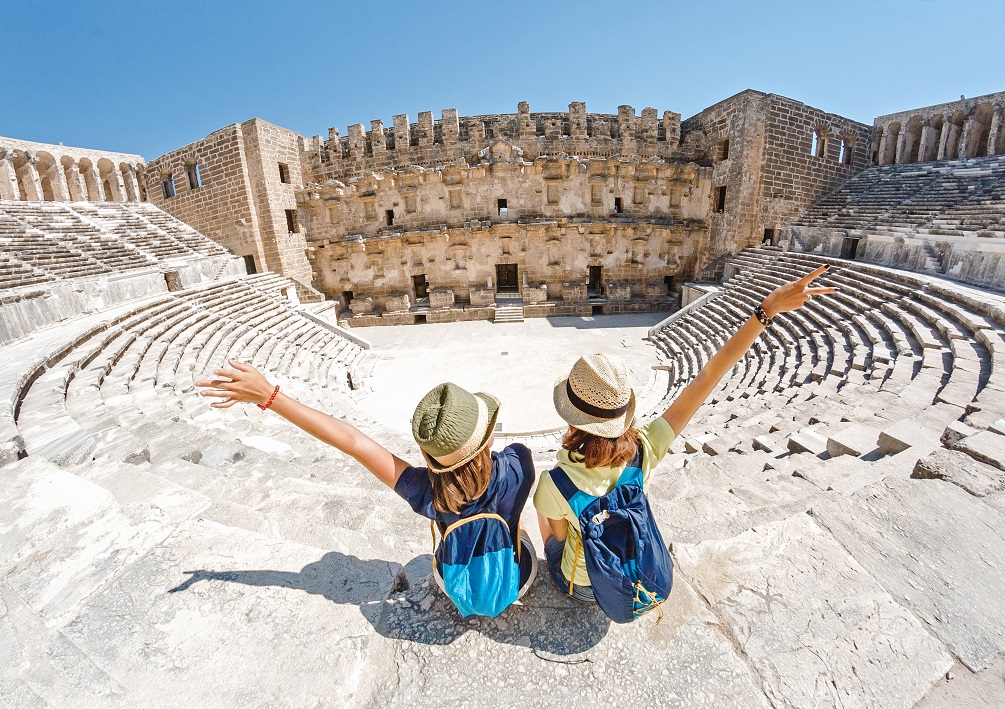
(966, 150)
(8, 177)
(525, 127)
(884, 143)
(996, 128)
(131, 183)
(57, 180)
(75, 183)
(117, 185)
(95, 190)
(377, 143)
(926, 141)
(944, 138)
(28, 176)
(899, 157)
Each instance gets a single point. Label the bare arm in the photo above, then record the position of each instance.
(789, 296)
(247, 385)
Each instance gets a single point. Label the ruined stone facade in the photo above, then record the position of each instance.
(57, 173)
(968, 128)
(237, 187)
(772, 157)
(563, 209)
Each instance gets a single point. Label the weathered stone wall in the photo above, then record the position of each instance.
(222, 208)
(58, 173)
(773, 167)
(968, 128)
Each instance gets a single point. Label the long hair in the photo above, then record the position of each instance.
(455, 488)
(600, 452)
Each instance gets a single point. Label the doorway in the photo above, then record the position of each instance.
(595, 287)
(249, 265)
(506, 278)
(421, 286)
(849, 247)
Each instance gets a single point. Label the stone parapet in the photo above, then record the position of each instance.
(483, 296)
(441, 298)
(572, 292)
(533, 294)
(397, 303)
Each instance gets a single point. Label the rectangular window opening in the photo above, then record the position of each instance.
(167, 185)
(725, 149)
(720, 199)
(249, 264)
(347, 297)
(618, 208)
(284, 173)
(814, 144)
(503, 207)
(668, 282)
(192, 173)
(389, 215)
(291, 221)
(769, 237)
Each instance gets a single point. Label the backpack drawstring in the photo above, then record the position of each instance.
(652, 602)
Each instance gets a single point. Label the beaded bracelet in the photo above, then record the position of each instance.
(272, 398)
(762, 316)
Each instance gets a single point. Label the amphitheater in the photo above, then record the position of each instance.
(836, 510)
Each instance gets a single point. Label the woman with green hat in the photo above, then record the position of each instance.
(473, 496)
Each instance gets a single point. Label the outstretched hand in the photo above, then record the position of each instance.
(242, 384)
(793, 295)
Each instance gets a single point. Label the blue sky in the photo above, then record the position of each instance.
(147, 77)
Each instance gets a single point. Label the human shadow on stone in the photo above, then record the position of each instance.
(544, 620)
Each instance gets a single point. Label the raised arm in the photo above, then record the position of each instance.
(789, 296)
(245, 384)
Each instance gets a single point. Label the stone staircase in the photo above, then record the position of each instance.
(508, 309)
(151, 547)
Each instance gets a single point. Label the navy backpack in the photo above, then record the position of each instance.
(478, 563)
(630, 568)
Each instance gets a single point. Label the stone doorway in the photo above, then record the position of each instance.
(421, 286)
(595, 286)
(506, 278)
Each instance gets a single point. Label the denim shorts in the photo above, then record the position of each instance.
(553, 551)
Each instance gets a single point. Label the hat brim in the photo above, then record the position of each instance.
(492, 405)
(605, 428)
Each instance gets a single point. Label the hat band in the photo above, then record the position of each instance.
(597, 411)
(470, 445)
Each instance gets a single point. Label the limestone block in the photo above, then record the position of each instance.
(535, 294)
(222, 454)
(441, 298)
(695, 444)
(655, 291)
(960, 469)
(715, 446)
(807, 441)
(361, 306)
(998, 427)
(619, 291)
(986, 447)
(855, 441)
(572, 292)
(938, 550)
(905, 434)
(396, 303)
(767, 443)
(803, 609)
(955, 432)
(481, 297)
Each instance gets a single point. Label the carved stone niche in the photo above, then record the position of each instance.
(361, 306)
(554, 249)
(638, 250)
(396, 303)
(506, 243)
(596, 245)
(619, 291)
(441, 298)
(459, 255)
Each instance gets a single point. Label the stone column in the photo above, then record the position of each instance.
(996, 128)
(525, 127)
(117, 184)
(357, 136)
(965, 150)
(649, 120)
(944, 138)
(75, 184)
(449, 126)
(927, 138)
(577, 120)
(402, 138)
(8, 177)
(626, 129)
(424, 128)
(899, 157)
(377, 143)
(29, 179)
(132, 184)
(94, 187)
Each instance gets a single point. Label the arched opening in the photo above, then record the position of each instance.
(109, 183)
(26, 191)
(46, 166)
(980, 131)
(889, 155)
(912, 140)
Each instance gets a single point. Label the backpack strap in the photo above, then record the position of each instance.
(564, 484)
(461, 523)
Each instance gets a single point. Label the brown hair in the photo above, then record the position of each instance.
(454, 488)
(600, 452)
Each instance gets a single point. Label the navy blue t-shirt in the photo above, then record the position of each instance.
(507, 493)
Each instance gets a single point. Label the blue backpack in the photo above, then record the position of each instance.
(478, 564)
(630, 568)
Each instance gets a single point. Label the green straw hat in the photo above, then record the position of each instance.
(452, 425)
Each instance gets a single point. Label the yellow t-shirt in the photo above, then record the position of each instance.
(655, 437)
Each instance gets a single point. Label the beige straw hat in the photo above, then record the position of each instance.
(452, 425)
(597, 396)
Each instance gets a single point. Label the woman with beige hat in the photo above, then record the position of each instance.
(598, 403)
(471, 495)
